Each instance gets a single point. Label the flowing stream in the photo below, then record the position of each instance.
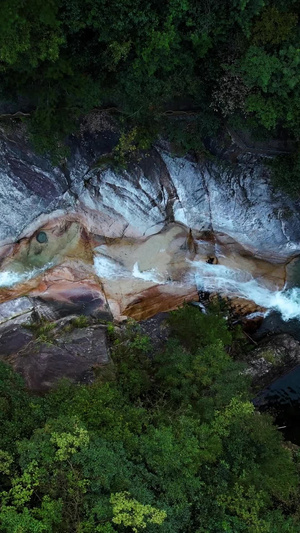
(207, 277)
(215, 278)
(9, 278)
(237, 283)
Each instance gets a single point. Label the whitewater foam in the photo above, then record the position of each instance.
(8, 278)
(146, 275)
(237, 283)
(108, 269)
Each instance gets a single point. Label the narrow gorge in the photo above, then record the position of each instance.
(137, 241)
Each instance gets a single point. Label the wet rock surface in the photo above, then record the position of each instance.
(273, 323)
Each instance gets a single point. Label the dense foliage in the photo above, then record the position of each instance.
(170, 444)
(227, 59)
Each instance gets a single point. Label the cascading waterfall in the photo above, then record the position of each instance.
(108, 269)
(147, 275)
(207, 277)
(237, 283)
(214, 278)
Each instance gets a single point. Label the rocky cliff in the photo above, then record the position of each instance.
(135, 242)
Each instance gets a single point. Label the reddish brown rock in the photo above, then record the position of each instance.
(159, 299)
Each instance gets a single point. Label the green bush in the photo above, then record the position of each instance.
(171, 445)
(220, 58)
(286, 173)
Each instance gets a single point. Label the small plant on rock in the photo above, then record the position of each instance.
(80, 321)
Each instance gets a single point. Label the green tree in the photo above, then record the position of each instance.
(186, 452)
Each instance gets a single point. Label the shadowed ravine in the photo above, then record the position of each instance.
(145, 239)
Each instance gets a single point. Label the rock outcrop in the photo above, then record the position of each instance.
(138, 241)
(65, 351)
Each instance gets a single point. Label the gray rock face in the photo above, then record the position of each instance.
(32, 189)
(237, 200)
(76, 355)
(29, 187)
(232, 199)
(20, 310)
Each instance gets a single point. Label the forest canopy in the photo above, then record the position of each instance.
(226, 59)
(167, 442)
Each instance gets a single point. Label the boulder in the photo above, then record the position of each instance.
(65, 351)
(13, 339)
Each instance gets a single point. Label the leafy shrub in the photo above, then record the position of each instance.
(286, 173)
(171, 445)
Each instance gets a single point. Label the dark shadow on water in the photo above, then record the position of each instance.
(282, 400)
(273, 325)
(282, 397)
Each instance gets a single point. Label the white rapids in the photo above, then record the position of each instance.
(107, 268)
(207, 277)
(236, 283)
(9, 278)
